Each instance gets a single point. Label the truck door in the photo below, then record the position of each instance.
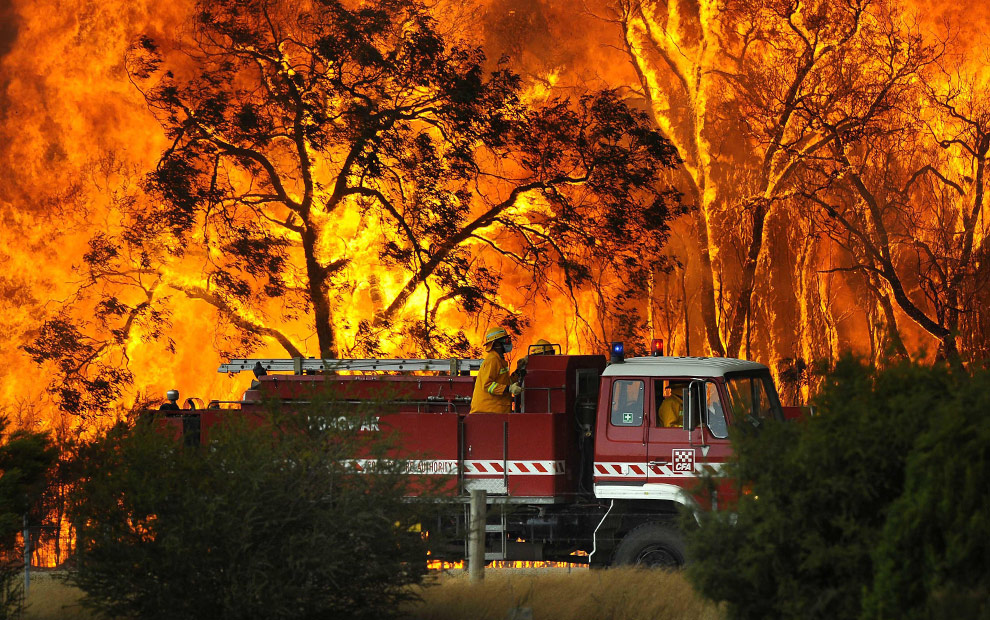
(675, 454)
(621, 456)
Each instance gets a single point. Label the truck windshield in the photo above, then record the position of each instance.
(752, 398)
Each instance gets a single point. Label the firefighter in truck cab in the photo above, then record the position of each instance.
(492, 391)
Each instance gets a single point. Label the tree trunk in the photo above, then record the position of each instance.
(687, 312)
(316, 277)
(806, 351)
(893, 333)
(744, 303)
(708, 314)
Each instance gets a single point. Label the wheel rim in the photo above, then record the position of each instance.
(657, 556)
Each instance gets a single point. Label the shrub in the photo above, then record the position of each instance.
(817, 496)
(25, 459)
(266, 521)
(933, 558)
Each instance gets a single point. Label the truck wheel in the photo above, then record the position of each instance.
(651, 545)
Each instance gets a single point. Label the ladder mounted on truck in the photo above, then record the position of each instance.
(300, 365)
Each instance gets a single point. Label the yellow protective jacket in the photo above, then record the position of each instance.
(671, 412)
(491, 386)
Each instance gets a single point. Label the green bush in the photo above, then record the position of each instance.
(267, 521)
(25, 460)
(933, 559)
(800, 541)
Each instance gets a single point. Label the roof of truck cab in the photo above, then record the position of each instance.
(667, 366)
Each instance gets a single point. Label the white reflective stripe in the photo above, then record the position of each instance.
(516, 468)
(622, 470)
(412, 466)
(536, 468)
(639, 470)
(474, 468)
(483, 468)
(670, 492)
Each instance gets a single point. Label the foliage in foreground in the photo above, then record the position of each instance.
(875, 508)
(933, 560)
(266, 521)
(25, 460)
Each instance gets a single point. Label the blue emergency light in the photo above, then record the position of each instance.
(618, 352)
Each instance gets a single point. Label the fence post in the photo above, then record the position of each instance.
(476, 535)
(27, 556)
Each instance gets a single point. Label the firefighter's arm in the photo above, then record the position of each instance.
(495, 388)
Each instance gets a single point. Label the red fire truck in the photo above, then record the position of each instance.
(581, 471)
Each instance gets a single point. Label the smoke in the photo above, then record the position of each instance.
(9, 25)
(571, 46)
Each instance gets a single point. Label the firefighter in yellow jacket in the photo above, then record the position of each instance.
(492, 392)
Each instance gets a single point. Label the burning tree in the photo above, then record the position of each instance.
(907, 204)
(321, 153)
(752, 94)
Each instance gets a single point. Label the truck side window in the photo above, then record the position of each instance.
(752, 398)
(761, 401)
(627, 402)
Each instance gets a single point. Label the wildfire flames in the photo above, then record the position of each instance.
(832, 153)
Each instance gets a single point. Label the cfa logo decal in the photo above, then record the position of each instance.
(682, 461)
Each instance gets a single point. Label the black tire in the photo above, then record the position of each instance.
(651, 545)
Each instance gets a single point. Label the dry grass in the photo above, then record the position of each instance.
(619, 594)
(615, 594)
(50, 598)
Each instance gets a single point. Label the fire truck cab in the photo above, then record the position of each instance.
(647, 469)
(583, 470)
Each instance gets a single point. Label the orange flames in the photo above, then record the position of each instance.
(441, 565)
(76, 138)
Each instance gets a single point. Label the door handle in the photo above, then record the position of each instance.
(657, 462)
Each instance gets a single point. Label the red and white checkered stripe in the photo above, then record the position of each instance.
(473, 468)
(621, 470)
(483, 467)
(516, 468)
(637, 470)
